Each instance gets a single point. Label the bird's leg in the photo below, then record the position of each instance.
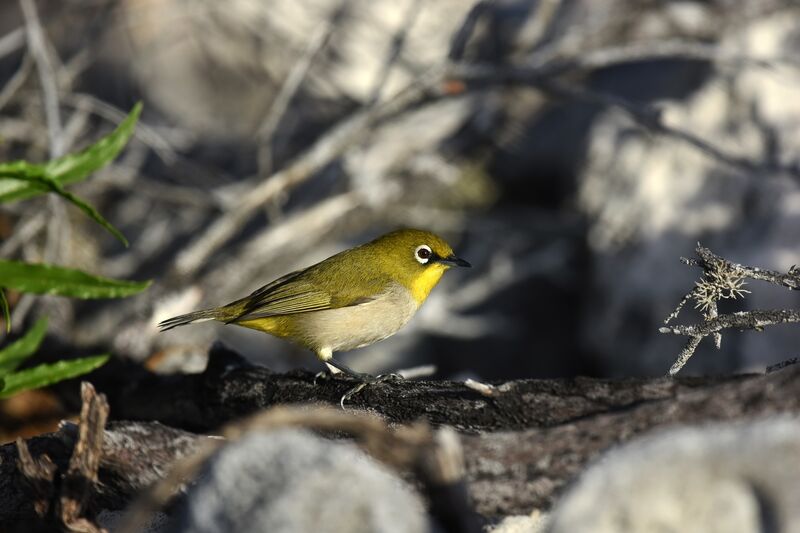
(336, 367)
(362, 376)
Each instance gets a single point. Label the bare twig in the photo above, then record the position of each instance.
(37, 44)
(16, 81)
(543, 19)
(21, 310)
(24, 232)
(653, 50)
(674, 314)
(298, 229)
(317, 42)
(395, 49)
(12, 41)
(38, 48)
(458, 43)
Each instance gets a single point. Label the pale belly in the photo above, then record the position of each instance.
(352, 327)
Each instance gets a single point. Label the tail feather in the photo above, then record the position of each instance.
(190, 318)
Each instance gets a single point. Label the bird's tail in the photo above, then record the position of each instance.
(191, 318)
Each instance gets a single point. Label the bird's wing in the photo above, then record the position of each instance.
(289, 295)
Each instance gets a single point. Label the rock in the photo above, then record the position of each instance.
(536, 522)
(731, 478)
(293, 481)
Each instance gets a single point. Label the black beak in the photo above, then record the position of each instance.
(454, 261)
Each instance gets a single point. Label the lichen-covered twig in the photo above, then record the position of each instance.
(723, 279)
(790, 280)
(742, 320)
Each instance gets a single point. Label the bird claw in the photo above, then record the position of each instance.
(369, 380)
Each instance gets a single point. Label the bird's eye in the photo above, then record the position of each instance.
(423, 253)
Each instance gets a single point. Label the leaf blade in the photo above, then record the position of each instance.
(41, 278)
(13, 186)
(49, 373)
(75, 167)
(72, 167)
(49, 184)
(15, 353)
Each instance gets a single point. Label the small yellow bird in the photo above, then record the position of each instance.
(350, 300)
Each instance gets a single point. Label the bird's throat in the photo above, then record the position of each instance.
(422, 285)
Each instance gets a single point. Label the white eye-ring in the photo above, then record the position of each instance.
(423, 253)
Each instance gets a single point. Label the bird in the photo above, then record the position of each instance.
(350, 300)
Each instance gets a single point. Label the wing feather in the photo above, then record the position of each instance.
(289, 295)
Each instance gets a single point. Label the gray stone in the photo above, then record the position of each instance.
(726, 478)
(291, 481)
(536, 522)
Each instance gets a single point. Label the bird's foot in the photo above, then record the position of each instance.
(367, 380)
(323, 375)
(347, 376)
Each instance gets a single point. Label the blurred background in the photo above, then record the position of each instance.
(571, 151)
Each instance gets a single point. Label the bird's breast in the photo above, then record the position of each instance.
(359, 325)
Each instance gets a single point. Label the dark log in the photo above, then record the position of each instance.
(230, 388)
(522, 443)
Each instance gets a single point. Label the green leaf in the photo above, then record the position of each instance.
(71, 167)
(13, 186)
(6, 312)
(74, 167)
(15, 353)
(47, 374)
(47, 183)
(51, 279)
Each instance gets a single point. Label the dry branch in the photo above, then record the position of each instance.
(37, 44)
(724, 279)
(60, 495)
(316, 43)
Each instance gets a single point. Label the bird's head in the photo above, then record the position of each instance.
(415, 258)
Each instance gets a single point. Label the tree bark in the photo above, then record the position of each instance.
(230, 388)
(523, 440)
